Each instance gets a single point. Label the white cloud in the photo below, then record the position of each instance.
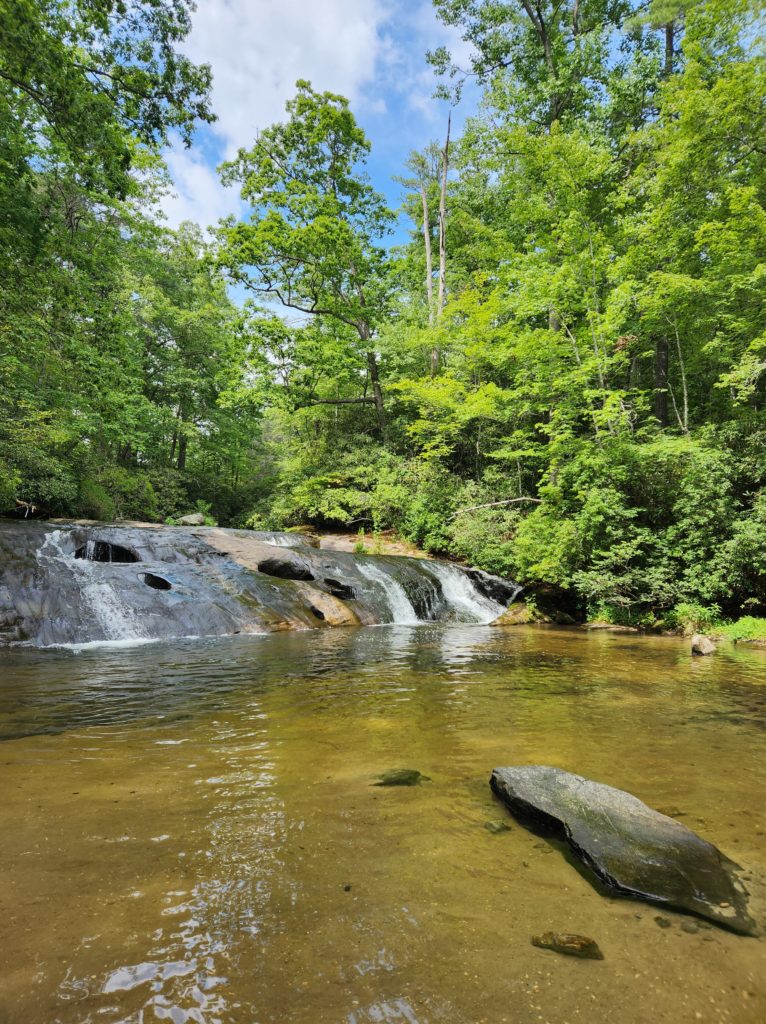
(371, 51)
(258, 48)
(199, 194)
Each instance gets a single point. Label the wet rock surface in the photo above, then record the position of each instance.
(79, 583)
(629, 847)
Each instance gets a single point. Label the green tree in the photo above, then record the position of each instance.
(313, 240)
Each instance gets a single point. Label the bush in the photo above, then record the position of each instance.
(745, 629)
(94, 502)
(693, 618)
(130, 491)
(9, 482)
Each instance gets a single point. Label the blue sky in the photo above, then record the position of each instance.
(372, 51)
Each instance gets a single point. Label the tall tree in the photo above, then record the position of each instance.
(556, 49)
(313, 240)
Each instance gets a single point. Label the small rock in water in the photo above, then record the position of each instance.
(702, 644)
(497, 826)
(662, 922)
(689, 927)
(570, 945)
(401, 777)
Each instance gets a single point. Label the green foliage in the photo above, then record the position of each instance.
(97, 76)
(693, 618)
(746, 629)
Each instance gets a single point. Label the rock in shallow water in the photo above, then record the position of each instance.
(702, 645)
(401, 777)
(570, 945)
(496, 827)
(630, 847)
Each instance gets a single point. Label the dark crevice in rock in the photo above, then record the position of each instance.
(285, 569)
(340, 590)
(156, 582)
(104, 551)
(316, 611)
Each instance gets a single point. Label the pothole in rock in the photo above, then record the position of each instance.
(285, 570)
(316, 611)
(341, 590)
(156, 582)
(104, 551)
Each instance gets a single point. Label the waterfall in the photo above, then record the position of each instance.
(399, 604)
(281, 540)
(115, 619)
(420, 590)
(462, 597)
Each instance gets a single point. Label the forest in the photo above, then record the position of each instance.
(559, 378)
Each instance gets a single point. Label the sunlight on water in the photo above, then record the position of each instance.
(189, 831)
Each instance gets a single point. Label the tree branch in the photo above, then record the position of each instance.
(493, 504)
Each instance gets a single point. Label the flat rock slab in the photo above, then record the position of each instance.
(631, 848)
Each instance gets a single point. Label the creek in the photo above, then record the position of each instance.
(189, 830)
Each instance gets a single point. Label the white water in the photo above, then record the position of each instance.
(462, 596)
(399, 604)
(116, 620)
(282, 540)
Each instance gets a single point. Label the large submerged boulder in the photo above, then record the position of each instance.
(631, 848)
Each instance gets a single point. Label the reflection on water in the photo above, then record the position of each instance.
(189, 833)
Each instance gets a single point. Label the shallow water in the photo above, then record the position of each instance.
(188, 831)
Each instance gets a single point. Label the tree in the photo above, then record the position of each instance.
(97, 76)
(313, 241)
(557, 50)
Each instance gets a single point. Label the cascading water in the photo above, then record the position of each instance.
(401, 608)
(420, 590)
(282, 540)
(464, 600)
(115, 619)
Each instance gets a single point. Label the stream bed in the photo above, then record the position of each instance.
(189, 830)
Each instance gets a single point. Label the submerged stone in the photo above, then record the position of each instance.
(569, 945)
(497, 826)
(401, 777)
(631, 848)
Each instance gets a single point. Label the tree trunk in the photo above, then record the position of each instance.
(429, 255)
(377, 393)
(661, 380)
(443, 223)
(435, 355)
(183, 442)
(669, 48)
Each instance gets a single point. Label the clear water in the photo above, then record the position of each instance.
(188, 831)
